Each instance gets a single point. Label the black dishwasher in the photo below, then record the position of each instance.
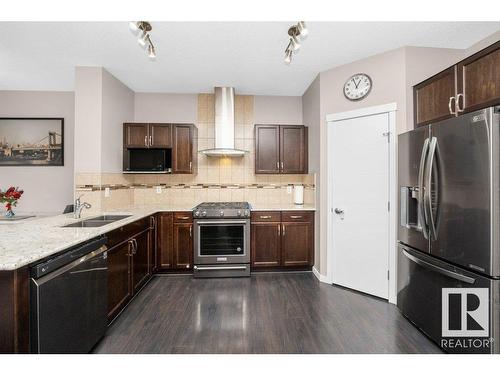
(68, 295)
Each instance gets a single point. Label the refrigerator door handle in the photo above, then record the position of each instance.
(428, 191)
(442, 271)
(420, 197)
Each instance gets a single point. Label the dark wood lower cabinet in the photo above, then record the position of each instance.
(175, 241)
(297, 244)
(140, 260)
(287, 243)
(119, 281)
(183, 245)
(265, 244)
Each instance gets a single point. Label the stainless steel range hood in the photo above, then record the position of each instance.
(224, 125)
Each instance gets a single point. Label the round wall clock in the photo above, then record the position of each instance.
(357, 87)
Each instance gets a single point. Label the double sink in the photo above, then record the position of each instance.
(95, 222)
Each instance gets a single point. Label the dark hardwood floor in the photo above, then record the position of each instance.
(267, 313)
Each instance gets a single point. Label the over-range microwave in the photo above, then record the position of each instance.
(140, 160)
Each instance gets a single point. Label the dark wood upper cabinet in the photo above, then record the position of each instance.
(472, 84)
(135, 135)
(293, 149)
(183, 245)
(433, 98)
(119, 280)
(267, 149)
(161, 135)
(184, 153)
(478, 79)
(265, 244)
(281, 149)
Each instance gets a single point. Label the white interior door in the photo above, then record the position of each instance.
(360, 196)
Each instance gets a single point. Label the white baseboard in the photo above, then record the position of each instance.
(319, 276)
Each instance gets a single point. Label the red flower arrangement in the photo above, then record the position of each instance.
(10, 198)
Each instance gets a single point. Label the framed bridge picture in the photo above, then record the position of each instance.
(31, 141)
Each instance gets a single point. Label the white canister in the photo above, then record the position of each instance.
(298, 194)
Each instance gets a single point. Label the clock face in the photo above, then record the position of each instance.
(357, 87)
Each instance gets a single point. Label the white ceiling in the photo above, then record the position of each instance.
(195, 56)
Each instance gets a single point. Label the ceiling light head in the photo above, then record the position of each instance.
(143, 39)
(293, 32)
(288, 56)
(302, 29)
(134, 27)
(151, 51)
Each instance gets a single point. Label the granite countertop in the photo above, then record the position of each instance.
(22, 243)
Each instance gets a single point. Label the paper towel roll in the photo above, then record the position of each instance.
(298, 194)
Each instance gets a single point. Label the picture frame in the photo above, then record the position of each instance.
(31, 141)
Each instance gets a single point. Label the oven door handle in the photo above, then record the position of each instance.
(198, 268)
(221, 222)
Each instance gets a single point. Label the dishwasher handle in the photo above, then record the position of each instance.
(67, 257)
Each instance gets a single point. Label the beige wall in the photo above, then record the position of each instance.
(283, 110)
(160, 107)
(117, 108)
(311, 112)
(46, 189)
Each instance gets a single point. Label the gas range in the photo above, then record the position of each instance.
(222, 239)
(217, 210)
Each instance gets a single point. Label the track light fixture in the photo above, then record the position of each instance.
(142, 30)
(295, 34)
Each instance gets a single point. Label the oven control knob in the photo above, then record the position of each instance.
(197, 213)
(203, 213)
(221, 213)
(239, 213)
(247, 213)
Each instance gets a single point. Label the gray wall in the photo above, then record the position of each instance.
(46, 189)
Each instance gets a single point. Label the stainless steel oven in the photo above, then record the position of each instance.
(221, 242)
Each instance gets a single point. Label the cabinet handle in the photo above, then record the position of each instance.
(281, 165)
(460, 109)
(191, 231)
(190, 165)
(450, 105)
(153, 222)
(146, 140)
(150, 140)
(277, 165)
(283, 230)
(279, 230)
(265, 216)
(130, 248)
(183, 217)
(135, 246)
(296, 216)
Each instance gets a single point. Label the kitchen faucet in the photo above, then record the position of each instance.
(79, 206)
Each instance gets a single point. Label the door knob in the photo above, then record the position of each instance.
(338, 211)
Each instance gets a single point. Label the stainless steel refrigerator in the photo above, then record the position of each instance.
(449, 231)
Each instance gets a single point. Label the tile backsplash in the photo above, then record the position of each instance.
(218, 179)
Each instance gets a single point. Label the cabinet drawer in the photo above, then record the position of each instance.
(127, 231)
(266, 216)
(300, 216)
(183, 217)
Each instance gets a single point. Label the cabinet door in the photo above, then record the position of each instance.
(182, 151)
(161, 135)
(479, 79)
(267, 149)
(135, 135)
(293, 149)
(265, 244)
(297, 244)
(119, 283)
(140, 260)
(183, 245)
(165, 253)
(432, 98)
